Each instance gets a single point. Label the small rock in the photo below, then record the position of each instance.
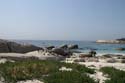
(85, 55)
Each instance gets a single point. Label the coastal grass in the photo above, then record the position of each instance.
(47, 71)
(115, 75)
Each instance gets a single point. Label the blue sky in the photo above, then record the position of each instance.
(62, 19)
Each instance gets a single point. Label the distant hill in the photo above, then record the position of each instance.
(122, 39)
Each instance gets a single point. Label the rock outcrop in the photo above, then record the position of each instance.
(9, 46)
(73, 46)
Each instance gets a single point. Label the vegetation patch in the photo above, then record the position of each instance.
(68, 77)
(47, 71)
(115, 75)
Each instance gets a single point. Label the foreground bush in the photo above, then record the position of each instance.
(115, 75)
(47, 71)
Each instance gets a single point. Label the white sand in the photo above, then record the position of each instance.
(98, 65)
(30, 81)
(3, 60)
(98, 76)
(38, 54)
(30, 54)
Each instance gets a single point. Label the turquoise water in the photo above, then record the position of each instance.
(84, 46)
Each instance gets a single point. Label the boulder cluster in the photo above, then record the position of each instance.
(64, 50)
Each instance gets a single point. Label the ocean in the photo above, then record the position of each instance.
(84, 46)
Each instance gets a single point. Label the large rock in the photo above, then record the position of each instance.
(8, 46)
(61, 51)
(73, 46)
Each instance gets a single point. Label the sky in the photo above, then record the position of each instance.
(62, 19)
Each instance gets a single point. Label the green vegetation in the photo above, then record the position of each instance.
(68, 77)
(47, 71)
(115, 75)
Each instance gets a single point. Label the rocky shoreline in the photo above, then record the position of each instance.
(10, 49)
